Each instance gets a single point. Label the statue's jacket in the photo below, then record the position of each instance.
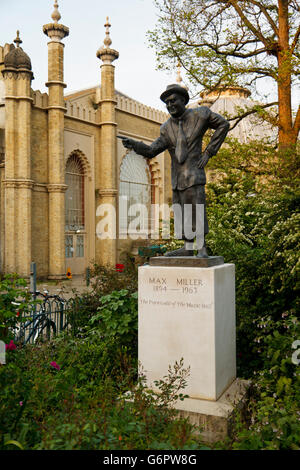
(195, 123)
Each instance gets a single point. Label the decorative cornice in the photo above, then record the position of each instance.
(107, 100)
(106, 123)
(18, 183)
(12, 72)
(57, 188)
(60, 108)
(55, 31)
(56, 82)
(107, 192)
(11, 97)
(107, 55)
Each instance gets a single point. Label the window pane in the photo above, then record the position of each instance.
(135, 185)
(69, 246)
(74, 194)
(79, 246)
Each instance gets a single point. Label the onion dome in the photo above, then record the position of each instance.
(16, 57)
(228, 102)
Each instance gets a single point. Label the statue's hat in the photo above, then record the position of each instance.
(174, 88)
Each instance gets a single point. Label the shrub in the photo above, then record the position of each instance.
(259, 233)
(117, 317)
(275, 401)
(14, 300)
(82, 404)
(104, 280)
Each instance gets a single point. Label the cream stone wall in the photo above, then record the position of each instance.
(41, 132)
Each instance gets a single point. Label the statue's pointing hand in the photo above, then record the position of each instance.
(128, 143)
(203, 160)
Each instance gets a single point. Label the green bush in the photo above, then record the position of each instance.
(259, 233)
(118, 317)
(275, 402)
(73, 396)
(14, 300)
(104, 280)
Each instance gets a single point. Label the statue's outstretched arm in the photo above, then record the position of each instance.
(148, 151)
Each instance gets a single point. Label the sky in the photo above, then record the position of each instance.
(135, 70)
(135, 73)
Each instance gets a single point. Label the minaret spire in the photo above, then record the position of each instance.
(56, 176)
(18, 41)
(56, 15)
(105, 53)
(107, 41)
(56, 31)
(107, 181)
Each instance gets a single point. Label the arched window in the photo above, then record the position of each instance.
(135, 185)
(74, 195)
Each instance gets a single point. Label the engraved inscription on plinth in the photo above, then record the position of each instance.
(188, 313)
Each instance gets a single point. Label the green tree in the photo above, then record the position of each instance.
(222, 42)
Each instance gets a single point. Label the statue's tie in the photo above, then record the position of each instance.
(181, 150)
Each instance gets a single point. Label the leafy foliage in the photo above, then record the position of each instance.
(14, 300)
(274, 404)
(229, 42)
(259, 233)
(72, 392)
(104, 280)
(118, 317)
(85, 403)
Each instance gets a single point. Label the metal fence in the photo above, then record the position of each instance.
(46, 315)
(44, 320)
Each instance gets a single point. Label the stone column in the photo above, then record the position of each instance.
(18, 184)
(56, 109)
(10, 78)
(108, 149)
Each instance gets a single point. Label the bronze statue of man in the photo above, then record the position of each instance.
(182, 135)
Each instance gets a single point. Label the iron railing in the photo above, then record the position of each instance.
(44, 320)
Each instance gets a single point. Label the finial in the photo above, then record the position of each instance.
(18, 41)
(56, 31)
(56, 15)
(107, 41)
(105, 53)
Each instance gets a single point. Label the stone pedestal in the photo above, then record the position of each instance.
(214, 419)
(189, 313)
(187, 310)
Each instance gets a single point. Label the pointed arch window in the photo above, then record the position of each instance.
(74, 195)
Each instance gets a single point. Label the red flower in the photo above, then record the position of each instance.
(120, 268)
(55, 365)
(120, 438)
(11, 346)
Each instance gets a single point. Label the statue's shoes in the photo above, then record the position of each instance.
(202, 253)
(180, 252)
